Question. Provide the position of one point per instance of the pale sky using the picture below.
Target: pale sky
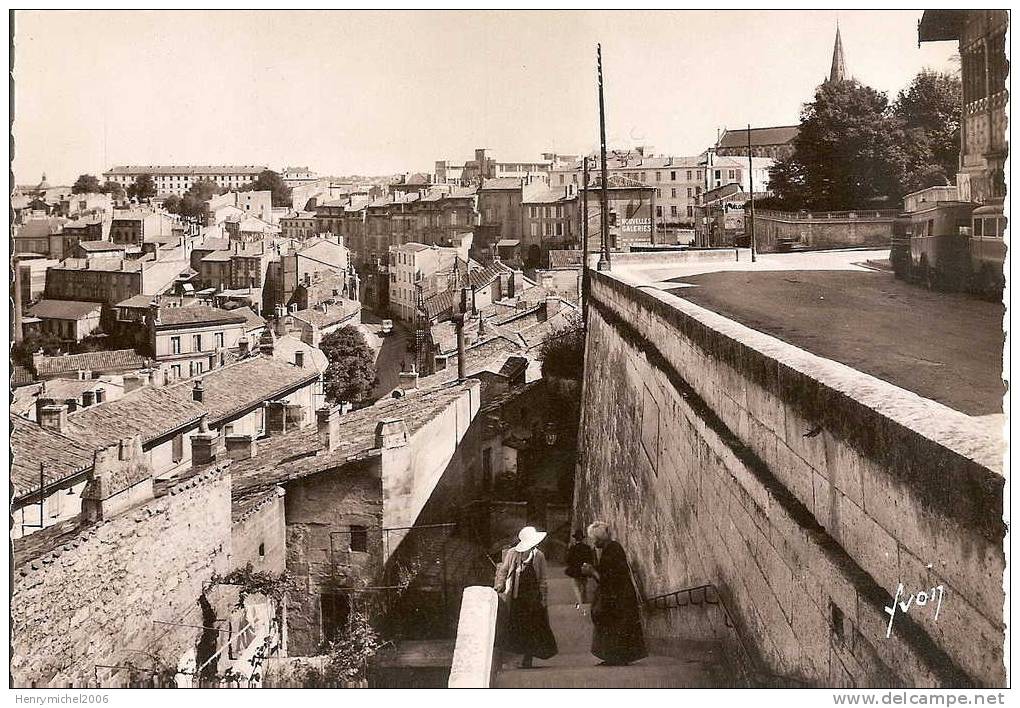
(377, 93)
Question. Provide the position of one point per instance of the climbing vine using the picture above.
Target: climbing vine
(256, 582)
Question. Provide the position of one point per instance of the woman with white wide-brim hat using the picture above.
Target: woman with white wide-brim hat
(521, 583)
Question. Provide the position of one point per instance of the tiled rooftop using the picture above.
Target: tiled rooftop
(63, 309)
(99, 246)
(186, 169)
(33, 445)
(235, 387)
(335, 312)
(294, 455)
(89, 361)
(778, 135)
(196, 315)
(150, 412)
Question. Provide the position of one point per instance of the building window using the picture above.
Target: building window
(658, 176)
(733, 174)
(178, 448)
(658, 211)
(219, 340)
(534, 229)
(658, 192)
(197, 342)
(175, 370)
(689, 192)
(175, 345)
(688, 175)
(718, 174)
(690, 211)
(359, 539)
(672, 210)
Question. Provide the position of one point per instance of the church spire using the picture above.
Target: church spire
(838, 70)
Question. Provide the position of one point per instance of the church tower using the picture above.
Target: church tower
(838, 70)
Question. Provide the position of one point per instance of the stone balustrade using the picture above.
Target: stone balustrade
(474, 652)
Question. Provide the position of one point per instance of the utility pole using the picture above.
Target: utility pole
(750, 184)
(584, 239)
(605, 263)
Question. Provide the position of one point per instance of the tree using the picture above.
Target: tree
(351, 373)
(142, 188)
(848, 153)
(929, 111)
(114, 189)
(86, 184)
(272, 182)
(172, 204)
(562, 353)
(33, 342)
(193, 202)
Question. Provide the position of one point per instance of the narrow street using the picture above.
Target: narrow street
(390, 351)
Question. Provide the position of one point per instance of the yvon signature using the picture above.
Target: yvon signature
(919, 599)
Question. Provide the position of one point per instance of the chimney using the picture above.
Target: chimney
(299, 359)
(198, 392)
(327, 420)
(390, 433)
(204, 444)
(88, 398)
(40, 403)
(53, 416)
(241, 447)
(120, 479)
(100, 395)
(552, 306)
(408, 380)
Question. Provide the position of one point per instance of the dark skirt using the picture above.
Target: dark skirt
(617, 636)
(524, 627)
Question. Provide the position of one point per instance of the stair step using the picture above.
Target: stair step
(691, 665)
(582, 671)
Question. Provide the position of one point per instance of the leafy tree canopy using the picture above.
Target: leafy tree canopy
(563, 352)
(272, 182)
(351, 373)
(114, 189)
(929, 110)
(86, 184)
(142, 188)
(855, 149)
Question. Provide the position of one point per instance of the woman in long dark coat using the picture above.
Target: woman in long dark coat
(618, 638)
(521, 583)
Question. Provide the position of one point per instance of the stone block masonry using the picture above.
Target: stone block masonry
(805, 491)
(94, 601)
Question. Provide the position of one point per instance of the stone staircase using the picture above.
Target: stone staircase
(687, 665)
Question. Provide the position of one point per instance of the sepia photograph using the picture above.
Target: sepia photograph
(509, 349)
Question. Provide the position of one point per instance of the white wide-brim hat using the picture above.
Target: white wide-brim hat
(529, 538)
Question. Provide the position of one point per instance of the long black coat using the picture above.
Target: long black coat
(618, 636)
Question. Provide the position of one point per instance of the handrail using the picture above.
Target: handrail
(662, 602)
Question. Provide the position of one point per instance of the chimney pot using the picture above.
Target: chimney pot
(299, 358)
(198, 392)
(53, 416)
(327, 421)
(88, 398)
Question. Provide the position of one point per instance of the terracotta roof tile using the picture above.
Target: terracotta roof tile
(293, 455)
(34, 445)
(116, 359)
